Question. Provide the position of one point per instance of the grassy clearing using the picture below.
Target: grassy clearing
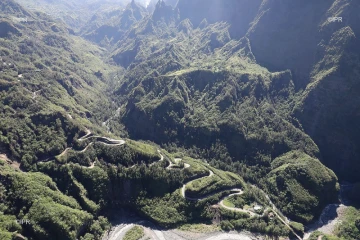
(228, 203)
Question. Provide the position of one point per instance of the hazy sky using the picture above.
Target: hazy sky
(145, 2)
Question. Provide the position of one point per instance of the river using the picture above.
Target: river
(331, 215)
(125, 220)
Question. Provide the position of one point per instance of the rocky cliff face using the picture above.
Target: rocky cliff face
(329, 108)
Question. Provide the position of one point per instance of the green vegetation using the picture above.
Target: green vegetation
(135, 233)
(8, 226)
(97, 228)
(48, 86)
(196, 84)
(54, 220)
(127, 155)
(300, 185)
(172, 209)
(199, 228)
(35, 197)
(168, 210)
(217, 182)
(235, 201)
(297, 227)
(77, 15)
(317, 234)
(249, 198)
(350, 225)
(241, 222)
(197, 169)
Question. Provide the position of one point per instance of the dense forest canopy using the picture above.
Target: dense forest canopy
(201, 115)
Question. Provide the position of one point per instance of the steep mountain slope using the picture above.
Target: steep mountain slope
(50, 85)
(238, 13)
(74, 13)
(59, 171)
(296, 185)
(108, 28)
(46, 74)
(192, 83)
(152, 4)
(197, 88)
(285, 35)
(329, 106)
(199, 78)
(319, 57)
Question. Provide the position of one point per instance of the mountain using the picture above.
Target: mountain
(239, 13)
(108, 28)
(328, 106)
(310, 69)
(50, 83)
(295, 188)
(75, 14)
(220, 89)
(62, 172)
(241, 113)
(152, 4)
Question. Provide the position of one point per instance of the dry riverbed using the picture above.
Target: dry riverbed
(151, 232)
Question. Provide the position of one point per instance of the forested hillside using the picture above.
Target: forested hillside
(199, 79)
(309, 80)
(241, 113)
(106, 28)
(75, 14)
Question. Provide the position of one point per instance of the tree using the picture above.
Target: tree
(357, 223)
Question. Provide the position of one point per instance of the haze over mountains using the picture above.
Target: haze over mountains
(176, 108)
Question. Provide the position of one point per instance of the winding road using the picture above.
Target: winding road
(239, 192)
(221, 203)
(120, 232)
(89, 135)
(183, 189)
(171, 164)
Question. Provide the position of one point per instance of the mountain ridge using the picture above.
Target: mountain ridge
(186, 102)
